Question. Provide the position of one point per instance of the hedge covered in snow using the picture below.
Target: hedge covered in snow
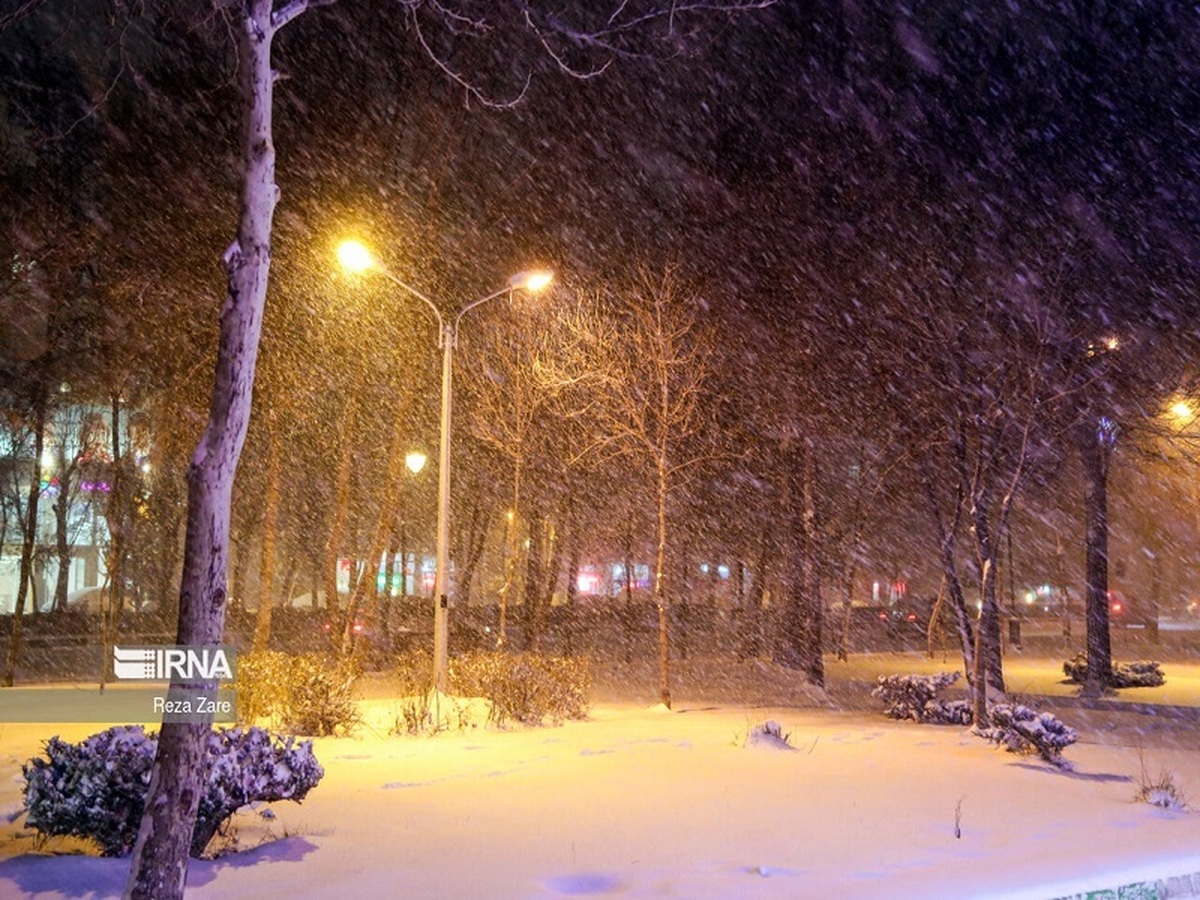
(915, 697)
(1020, 729)
(96, 789)
(1140, 673)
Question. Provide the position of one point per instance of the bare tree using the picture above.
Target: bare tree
(367, 586)
(646, 359)
(972, 414)
(508, 404)
(32, 432)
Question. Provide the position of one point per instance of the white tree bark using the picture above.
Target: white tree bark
(160, 855)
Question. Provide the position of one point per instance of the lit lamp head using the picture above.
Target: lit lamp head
(532, 280)
(415, 461)
(354, 257)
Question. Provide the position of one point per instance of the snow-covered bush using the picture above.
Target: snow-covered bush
(96, 789)
(768, 734)
(250, 766)
(915, 697)
(1162, 791)
(1139, 673)
(1020, 729)
(307, 694)
(524, 687)
(1075, 668)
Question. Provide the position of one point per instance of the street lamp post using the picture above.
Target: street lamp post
(357, 258)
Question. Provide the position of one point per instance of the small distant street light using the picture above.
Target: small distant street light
(414, 460)
(355, 257)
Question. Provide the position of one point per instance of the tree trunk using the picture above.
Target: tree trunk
(660, 594)
(241, 565)
(799, 645)
(341, 513)
(1094, 454)
(270, 529)
(850, 565)
(367, 588)
(814, 606)
(511, 535)
(395, 548)
(473, 538)
(752, 629)
(739, 604)
(628, 613)
(946, 535)
(573, 562)
(62, 507)
(28, 538)
(989, 680)
(681, 607)
(116, 518)
(535, 617)
(160, 855)
(551, 569)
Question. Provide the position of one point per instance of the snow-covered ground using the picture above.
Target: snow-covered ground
(641, 802)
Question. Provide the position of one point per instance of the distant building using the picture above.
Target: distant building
(76, 459)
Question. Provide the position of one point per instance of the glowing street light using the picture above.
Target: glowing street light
(355, 257)
(414, 461)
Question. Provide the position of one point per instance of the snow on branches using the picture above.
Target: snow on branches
(915, 697)
(1020, 729)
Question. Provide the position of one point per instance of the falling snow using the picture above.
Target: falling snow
(873, 327)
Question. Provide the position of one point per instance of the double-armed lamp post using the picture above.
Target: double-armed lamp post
(357, 258)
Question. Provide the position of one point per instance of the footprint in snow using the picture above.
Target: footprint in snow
(583, 883)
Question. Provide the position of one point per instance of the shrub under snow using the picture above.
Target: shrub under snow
(915, 697)
(1020, 729)
(769, 734)
(96, 789)
(1140, 673)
